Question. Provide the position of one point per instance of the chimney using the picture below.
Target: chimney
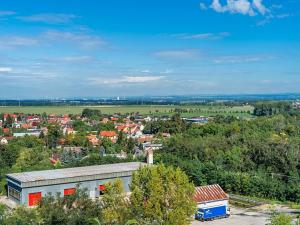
(150, 156)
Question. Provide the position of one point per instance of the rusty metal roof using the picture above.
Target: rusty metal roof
(209, 193)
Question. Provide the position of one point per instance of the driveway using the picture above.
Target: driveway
(250, 216)
(239, 217)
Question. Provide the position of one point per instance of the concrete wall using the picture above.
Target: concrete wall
(91, 186)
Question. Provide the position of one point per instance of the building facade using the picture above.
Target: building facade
(28, 188)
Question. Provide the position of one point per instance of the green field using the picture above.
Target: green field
(193, 110)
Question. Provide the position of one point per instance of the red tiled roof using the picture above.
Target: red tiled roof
(108, 134)
(209, 193)
(5, 130)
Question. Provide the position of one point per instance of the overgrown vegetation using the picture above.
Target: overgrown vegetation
(258, 157)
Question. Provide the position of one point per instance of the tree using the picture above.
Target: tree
(32, 159)
(75, 209)
(95, 113)
(53, 135)
(116, 207)
(162, 194)
(23, 216)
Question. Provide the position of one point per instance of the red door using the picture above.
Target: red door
(101, 187)
(69, 191)
(34, 198)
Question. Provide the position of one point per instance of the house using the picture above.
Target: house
(5, 130)
(13, 116)
(16, 125)
(105, 120)
(112, 135)
(93, 139)
(28, 188)
(68, 131)
(198, 120)
(212, 202)
(25, 126)
(5, 140)
(145, 138)
(36, 133)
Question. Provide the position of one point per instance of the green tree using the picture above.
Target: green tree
(75, 209)
(116, 207)
(162, 194)
(23, 216)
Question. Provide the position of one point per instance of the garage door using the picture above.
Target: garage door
(69, 191)
(34, 198)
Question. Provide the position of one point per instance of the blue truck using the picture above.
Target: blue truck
(212, 213)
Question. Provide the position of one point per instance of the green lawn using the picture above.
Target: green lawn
(144, 110)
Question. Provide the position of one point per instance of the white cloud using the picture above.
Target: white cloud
(76, 58)
(205, 36)
(244, 7)
(5, 69)
(241, 59)
(52, 18)
(7, 13)
(176, 54)
(167, 71)
(83, 40)
(259, 6)
(145, 71)
(17, 41)
(203, 6)
(125, 79)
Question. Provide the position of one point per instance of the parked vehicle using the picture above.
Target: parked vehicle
(212, 213)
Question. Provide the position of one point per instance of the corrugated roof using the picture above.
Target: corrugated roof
(75, 172)
(209, 193)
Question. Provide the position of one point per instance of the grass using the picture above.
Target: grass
(242, 111)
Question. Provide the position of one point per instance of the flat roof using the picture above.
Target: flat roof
(86, 171)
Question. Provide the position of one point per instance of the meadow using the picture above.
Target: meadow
(159, 110)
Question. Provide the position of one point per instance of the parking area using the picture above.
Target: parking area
(239, 217)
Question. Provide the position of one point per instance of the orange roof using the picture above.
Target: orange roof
(25, 126)
(108, 134)
(121, 127)
(145, 139)
(5, 130)
(209, 193)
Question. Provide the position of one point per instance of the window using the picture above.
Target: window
(14, 193)
(34, 198)
(101, 189)
(69, 191)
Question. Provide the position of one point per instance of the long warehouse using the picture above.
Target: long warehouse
(28, 188)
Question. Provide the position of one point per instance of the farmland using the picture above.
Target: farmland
(159, 110)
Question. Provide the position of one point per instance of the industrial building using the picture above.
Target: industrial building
(212, 202)
(28, 188)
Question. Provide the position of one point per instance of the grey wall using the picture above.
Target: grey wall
(91, 186)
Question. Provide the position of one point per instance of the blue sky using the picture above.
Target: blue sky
(70, 48)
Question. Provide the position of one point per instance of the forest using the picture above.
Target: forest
(257, 157)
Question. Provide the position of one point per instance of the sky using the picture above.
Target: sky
(94, 48)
